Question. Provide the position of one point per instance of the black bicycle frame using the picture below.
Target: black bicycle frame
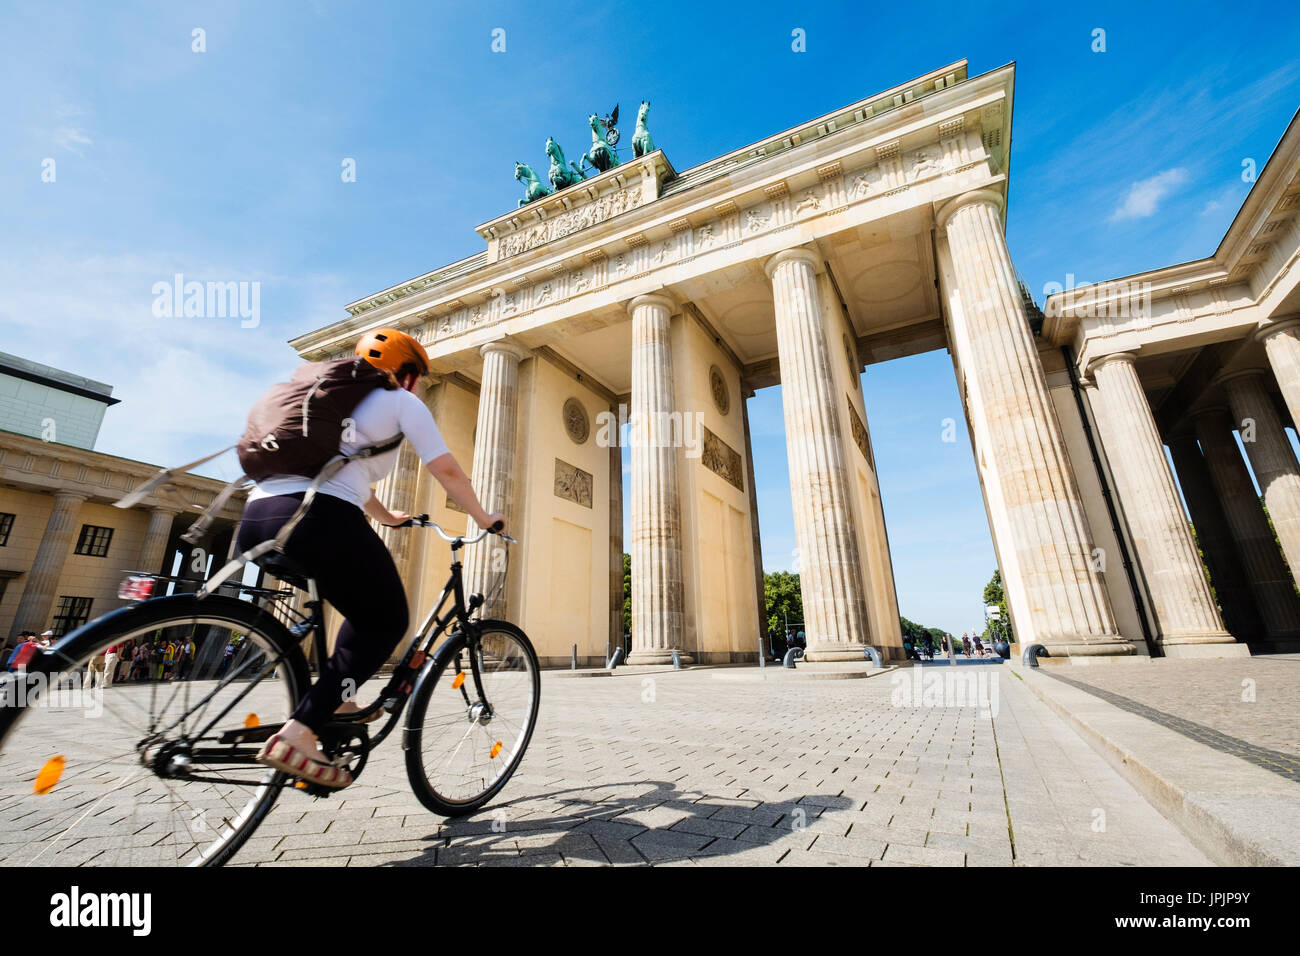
(396, 692)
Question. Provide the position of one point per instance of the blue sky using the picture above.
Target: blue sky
(225, 165)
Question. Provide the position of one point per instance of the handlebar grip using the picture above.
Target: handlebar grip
(411, 522)
(496, 527)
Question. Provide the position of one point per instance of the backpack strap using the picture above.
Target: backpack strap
(200, 526)
(332, 468)
(165, 475)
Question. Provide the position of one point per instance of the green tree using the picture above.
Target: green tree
(994, 594)
(782, 596)
(627, 593)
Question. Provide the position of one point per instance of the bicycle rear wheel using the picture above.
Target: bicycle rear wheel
(465, 737)
(144, 772)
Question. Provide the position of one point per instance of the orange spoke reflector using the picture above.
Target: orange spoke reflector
(460, 679)
(301, 784)
(251, 721)
(496, 749)
(50, 774)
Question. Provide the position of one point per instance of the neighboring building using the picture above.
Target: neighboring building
(51, 404)
(1187, 356)
(63, 547)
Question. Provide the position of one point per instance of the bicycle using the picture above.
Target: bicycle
(181, 786)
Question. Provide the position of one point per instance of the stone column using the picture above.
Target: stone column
(658, 594)
(1215, 539)
(1184, 608)
(36, 605)
(1281, 340)
(1271, 458)
(1045, 520)
(154, 549)
(494, 467)
(831, 576)
(397, 491)
(615, 537)
(1274, 592)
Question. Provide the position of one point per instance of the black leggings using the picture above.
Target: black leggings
(354, 572)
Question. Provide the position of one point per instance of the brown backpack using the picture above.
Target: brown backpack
(296, 427)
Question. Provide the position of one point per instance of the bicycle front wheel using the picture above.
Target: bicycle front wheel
(143, 769)
(471, 718)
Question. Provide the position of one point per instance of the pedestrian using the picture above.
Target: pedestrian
(226, 655)
(47, 638)
(979, 646)
(27, 646)
(95, 669)
(907, 649)
(965, 644)
(140, 663)
(110, 664)
(187, 657)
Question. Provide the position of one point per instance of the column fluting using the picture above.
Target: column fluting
(1275, 596)
(1184, 608)
(494, 468)
(831, 575)
(658, 593)
(1271, 458)
(1046, 523)
(36, 605)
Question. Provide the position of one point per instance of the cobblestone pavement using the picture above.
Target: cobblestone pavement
(718, 767)
(1246, 706)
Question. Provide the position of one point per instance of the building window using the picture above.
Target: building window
(72, 612)
(6, 525)
(94, 540)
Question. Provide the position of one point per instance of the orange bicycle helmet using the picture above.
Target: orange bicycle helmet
(390, 349)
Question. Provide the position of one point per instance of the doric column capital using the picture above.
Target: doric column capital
(797, 254)
(660, 299)
(987, 196)
(1100, 360)
(1254, 372)
(1208, 411)
(505, 347)
(1270, 327)
(66, 499)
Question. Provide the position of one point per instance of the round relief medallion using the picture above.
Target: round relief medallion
(718, 385)
(576, 423)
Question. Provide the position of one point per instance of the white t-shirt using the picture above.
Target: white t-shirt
(379, 416)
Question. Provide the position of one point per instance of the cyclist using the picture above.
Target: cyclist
(335, 544)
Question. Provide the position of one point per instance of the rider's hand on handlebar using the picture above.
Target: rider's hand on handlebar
(496, 523)
(399, 518)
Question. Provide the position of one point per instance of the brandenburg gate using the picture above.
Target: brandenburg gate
(658, 300)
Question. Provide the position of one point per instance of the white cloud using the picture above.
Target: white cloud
(72, 139)
(1145, 196)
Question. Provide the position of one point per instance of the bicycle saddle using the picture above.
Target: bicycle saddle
(288, 570)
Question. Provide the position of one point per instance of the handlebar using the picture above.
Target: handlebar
(424, 521)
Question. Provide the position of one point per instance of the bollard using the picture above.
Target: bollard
(874, 655)
(573, 663)
(792, 655)
(1032, 653)
(615, 659)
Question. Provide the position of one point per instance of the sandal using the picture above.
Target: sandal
(284, 756)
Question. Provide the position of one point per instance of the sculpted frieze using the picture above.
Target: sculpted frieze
(567, 223)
